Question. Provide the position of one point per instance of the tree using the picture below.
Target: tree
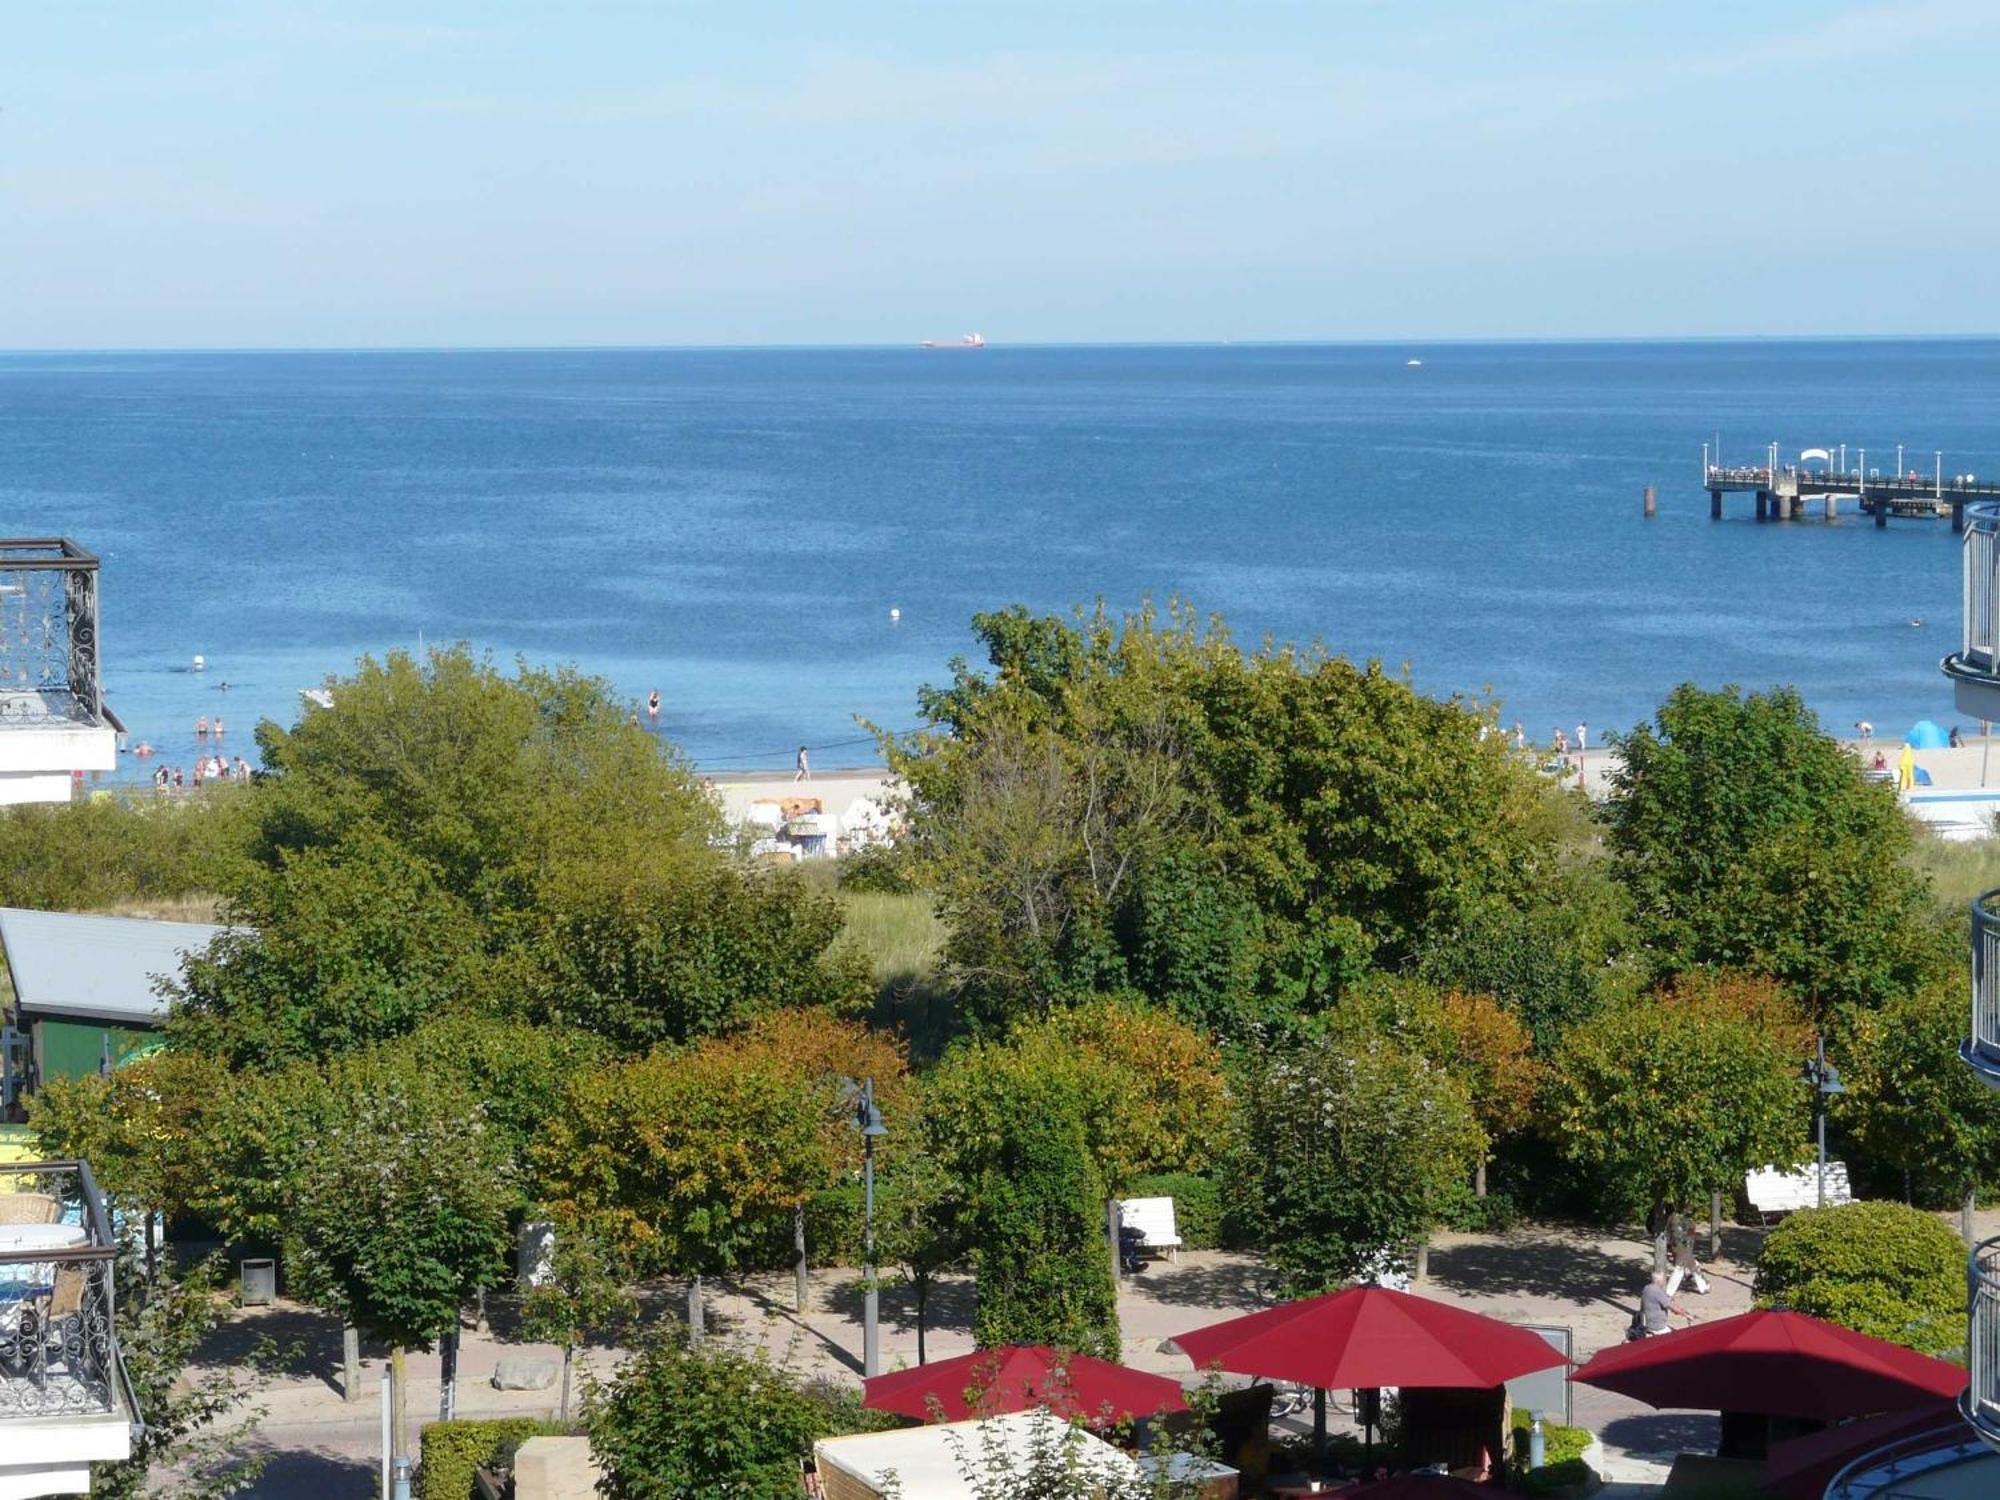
(1351, 1147)
(1749, 839)
(1137, 803)
(1668, 1099)
(921, 1225)
(1046, 1458)
(679, 1421)
(1880, 1268)
(398, 1212)
(582, 1292)
(1910, 1104)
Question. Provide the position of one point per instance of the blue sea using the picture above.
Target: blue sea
(734, 527)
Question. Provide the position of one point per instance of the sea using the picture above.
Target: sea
(787, 543)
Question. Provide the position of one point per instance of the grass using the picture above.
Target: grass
(1959, 871)
(190, 908)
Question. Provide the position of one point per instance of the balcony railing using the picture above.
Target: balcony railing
(58, 1297)
(1981, 1049)
(1981, 1401)
(1978, 656)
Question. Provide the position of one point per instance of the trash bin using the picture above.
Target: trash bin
(259, 1283)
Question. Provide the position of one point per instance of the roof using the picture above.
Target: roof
(96, 968)
(930, 1461)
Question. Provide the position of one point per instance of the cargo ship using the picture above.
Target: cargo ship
(970, 341)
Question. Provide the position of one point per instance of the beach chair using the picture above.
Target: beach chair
(1154, 1219)
(1773, 1192)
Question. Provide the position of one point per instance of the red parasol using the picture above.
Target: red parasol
(1777, 1364)
(1801, 1468)
(1021, 1377)
(1370, 1336)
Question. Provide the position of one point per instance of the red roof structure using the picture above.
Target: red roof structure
(1369, 1336)
(1021, 1377)
(1801, 1468)
(1778, 1364)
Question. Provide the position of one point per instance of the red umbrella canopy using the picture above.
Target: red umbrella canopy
(1021, 1377)
(1370, 1336)
(1779, 1364)
(1801, 1468)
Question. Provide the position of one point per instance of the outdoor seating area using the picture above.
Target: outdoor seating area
(57, 1356)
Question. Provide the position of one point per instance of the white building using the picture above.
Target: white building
(54, 725)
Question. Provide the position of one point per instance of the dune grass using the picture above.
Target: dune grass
(1959, 871)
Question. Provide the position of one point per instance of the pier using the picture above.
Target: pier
(1784, 490)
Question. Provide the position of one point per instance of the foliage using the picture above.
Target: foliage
(1140, 804)
(1880, 1268)
(398, 1211)
(1750, 839)
(582, 1293)
(1050, 1460)
(135, 1128)
(1197, 1205)
(1483, 1046)
(1560, 1444)
(195, 1424)
(1042, 1265)
(691, 1158)
(1352, 1147)
(84, 856)
(451, 1451)
(679, 1422)
(1910, 1104)
(1667, 1099)
(921, 1225)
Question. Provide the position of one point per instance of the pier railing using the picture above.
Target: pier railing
(1981, 1401)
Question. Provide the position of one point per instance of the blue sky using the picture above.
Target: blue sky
(297, 173)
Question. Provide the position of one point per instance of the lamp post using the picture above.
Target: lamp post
(868, 1119)
(1825, 1079)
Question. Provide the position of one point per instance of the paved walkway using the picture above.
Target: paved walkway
(1585, 1279)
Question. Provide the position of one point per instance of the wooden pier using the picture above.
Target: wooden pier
(1784, 490)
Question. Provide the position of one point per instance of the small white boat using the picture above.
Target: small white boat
(1413, 363)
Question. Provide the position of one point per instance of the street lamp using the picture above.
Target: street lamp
(868, 1120)
(1825, 1079)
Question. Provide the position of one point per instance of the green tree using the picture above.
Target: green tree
(1750, 839)
(1910, 1104)
(1351, 1147)
(1138, 803)
(1668, 1099)
(1880, 1268)
(921, 1226)
(680, 1421)
(581, 1293)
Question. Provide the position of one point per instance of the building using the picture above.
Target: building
(54, 725)
(86, 992)
(65, 1399)
(1962, 1460)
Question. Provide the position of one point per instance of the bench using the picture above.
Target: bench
(1772, 1190)
(1154, 1219)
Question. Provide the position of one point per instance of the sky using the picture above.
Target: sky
(296, 173)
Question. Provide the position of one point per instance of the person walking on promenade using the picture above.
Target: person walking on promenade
(802, 771)
(1680, 1249)
(1657, 1308)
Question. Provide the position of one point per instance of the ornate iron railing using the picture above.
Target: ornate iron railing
(49, 670)
(58, 1295)
(1981, 1049)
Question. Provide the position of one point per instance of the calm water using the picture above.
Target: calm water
(734, 527)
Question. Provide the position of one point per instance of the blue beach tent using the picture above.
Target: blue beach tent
(1925, 735)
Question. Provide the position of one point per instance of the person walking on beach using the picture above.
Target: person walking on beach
(1561, 741)
(1520, 736)
(1957, 740)
(802, 772)
(1866, 730)
(1582, 737)
(1906, 769)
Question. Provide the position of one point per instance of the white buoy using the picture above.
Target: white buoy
(894, 613)
(200, 663)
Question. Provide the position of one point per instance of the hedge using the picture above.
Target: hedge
(1197, 1205)
(1563, 1448)
(1879, 1268)
(450, 1451)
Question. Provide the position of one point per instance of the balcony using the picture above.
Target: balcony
(1981, 1049)
(1981, 1401)
(64, 1399)
(1974, 668)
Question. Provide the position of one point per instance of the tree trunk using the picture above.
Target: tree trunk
(479, 1324)
(1422, 1269)
(399, 1402)
(920, 1287)
(1660, 1251)
(1965, 1208)
(569, 1359)
(799, 1288)
(1714, 1225)
(350, 1362)
(695, 1319)
(448, 1372)
(1479, 1180)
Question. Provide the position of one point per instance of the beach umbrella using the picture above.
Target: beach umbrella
(1370, 1336)
(1022, 1377)
(1926, 735)
(1801, 1468)
(1776, 1364)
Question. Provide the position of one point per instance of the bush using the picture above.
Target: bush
(450, 1451)
(1468, 1213)
(1197, 1205)
(1562, 1468)
(1879, 1268)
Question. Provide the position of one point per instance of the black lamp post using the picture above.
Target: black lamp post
(868, 1119)
(1825, 1079)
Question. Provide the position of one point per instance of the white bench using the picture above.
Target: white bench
(1154, 1219)
(1772, 1190)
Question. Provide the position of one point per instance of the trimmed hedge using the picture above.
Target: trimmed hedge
(1879, 1268)
(450, 1451)
(1197, 1205)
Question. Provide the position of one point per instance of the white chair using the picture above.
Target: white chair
(1772, 1191)
(1154, 1219)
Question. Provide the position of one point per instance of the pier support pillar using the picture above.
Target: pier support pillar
(1650, 501)
(1763, 505)
(1715, 505)
(1957, 517)
(1881, 514)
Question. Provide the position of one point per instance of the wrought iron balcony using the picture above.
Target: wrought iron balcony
(1975, 667)
(1981, 1401)
(1981, 1048)
(58, 1300)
